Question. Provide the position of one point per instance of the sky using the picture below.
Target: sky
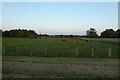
(60, 17)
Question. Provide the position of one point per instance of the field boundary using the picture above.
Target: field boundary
(45, 51)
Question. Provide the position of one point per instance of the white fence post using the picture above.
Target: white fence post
(109, 52)
(92, 51)
(76, 52)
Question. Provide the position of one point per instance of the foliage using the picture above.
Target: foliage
(118, 33)
(108, 33)
(91, 33)
(20, 33)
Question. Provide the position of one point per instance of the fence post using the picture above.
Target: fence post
(45, 51)
(109, 52)
(3, 50)
(17, 50)
(76, 52)
(30, 51)
(92, 51)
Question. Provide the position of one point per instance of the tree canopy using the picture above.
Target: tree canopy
(20, 33)
(91, 33)
(118, 33)
(108, 33)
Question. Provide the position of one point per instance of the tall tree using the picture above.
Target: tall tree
(6, 34)
(91, 33)
(108, 33)
(118, 33)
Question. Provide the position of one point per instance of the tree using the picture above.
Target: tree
(32, 34)
(118, 33)
(108, 33)
(91, 33)
(20, 33)
(71, 36)
(6, 34)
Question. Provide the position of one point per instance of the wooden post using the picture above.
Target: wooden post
(3, 50)
(17, 50)
(76, 52)
(45, 51)
(109, 52)
(92, 52)
(30, 51)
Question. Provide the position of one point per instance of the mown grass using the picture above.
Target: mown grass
(65, 67)
(51, 74)
(57, 48)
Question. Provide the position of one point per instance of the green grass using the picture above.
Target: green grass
(55, 67)
(57, 48)
(60, 60)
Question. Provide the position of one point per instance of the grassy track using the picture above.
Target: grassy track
(41, 67)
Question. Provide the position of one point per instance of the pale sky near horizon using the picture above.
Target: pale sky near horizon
(60, 17)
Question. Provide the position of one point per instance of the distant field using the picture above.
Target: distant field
(64, 67)
(115, 40)
(55, 47)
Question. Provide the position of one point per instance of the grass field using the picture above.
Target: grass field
(60, 60)
(57, 48)
(44, 67)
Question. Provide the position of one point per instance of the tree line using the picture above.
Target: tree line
(91, 33)
(20, 33)
(108, 33)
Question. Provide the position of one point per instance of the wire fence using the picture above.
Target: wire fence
(60, 52)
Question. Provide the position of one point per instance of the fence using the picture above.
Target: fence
(60, 52)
